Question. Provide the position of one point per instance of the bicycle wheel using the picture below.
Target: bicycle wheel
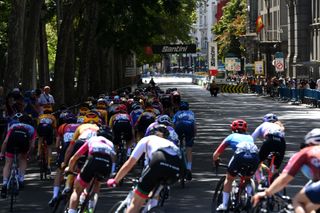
(61, 205)
(156, 209)
(217, 195)
(118, 208)
(244, 196)
(13, 189)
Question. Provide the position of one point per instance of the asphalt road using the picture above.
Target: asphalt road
(213, 115)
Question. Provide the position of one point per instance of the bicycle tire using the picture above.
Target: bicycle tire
(157, 209)
(114, 208)
(61, 205)
(217, 195)
(244, 199)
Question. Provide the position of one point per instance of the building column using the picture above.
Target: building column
(302, 17)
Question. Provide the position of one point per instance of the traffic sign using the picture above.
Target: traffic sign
(279, 62)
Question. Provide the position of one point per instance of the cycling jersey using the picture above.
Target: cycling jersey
(119, 117)
(266, 129)
(184, 116)
(66, 132)
(152, 143)
(173, 136)
(308, 161)
(80, 119)
(47, 119)
(97, 144)
(84, 132)
(135, 114)
(235, 141)
(30, 129)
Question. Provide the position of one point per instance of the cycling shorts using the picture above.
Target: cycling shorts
(98, 165)
(244, 163)
(312, 191)
(162, 168)
(18, 142)
(144, 123)
(46, 132)
(273, 144)
(186, 129)
(122, 127)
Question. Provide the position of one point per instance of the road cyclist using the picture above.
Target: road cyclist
(307, 160)
(272, 132)
(185, 126)
(165, 164)
(98, 165)
(245, 160)
(19, 140)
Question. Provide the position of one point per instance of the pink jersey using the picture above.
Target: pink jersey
(308, 161)
(97, 144)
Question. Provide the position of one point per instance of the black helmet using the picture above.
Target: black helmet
(106, 132)
(160, 128)
(184, 105)
(23, 118)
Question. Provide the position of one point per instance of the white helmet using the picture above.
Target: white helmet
(313, 137)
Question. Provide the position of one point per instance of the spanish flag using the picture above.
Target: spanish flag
(259, 24)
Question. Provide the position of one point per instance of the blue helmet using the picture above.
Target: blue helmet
(270, 117)
(165, 120)
(184, 105)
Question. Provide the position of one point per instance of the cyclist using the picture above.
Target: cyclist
(120, 123)
(84, 109)
(245, 154)
(47, 124)
(20, 138)
(307, 160)
(144, 120)
(165, 163)
(64, 136)
(184, 124)
(164, 120)
(100, 154)
(102, 109)
(272, 131)
(83, 132)
(137, 110)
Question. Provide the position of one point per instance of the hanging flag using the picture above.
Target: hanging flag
(259, 24)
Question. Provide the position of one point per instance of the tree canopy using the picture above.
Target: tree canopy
(230, 28)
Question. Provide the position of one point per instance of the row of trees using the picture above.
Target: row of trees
(82, 45)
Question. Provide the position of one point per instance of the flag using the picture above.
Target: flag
(259, 24)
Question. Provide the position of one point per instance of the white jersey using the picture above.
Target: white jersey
(267, 128)
(151, 144)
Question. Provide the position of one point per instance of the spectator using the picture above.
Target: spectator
(46, 98)
(318, 84)
(312, 84)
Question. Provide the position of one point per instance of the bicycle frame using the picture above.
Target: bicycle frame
(269, 169)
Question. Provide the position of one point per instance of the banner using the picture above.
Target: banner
(258, 68)
(179, 48)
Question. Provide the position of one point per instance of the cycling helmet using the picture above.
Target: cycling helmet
(106, 132)
(84, 110)
(101, 103)
(47, 108)
(184, 105)
(313, 137)
(23, 118)
(91, 117)
(160, 128)
(239, 126)
(70, 118)
(136, 106)
(165, 120)
(121, 108)
(270, 117)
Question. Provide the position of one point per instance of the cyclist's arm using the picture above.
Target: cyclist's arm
(219, 150)
(127, 166)
(73, 160)
(278, 184)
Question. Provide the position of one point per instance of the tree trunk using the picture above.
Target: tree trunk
(70, 71)
(31, 30)
(15, 44)
(44, 78)
(62, 47)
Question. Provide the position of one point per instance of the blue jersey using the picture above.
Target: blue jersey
(184, 116)
(234, 139)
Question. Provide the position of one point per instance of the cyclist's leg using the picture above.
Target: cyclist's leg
(74, 199)
(307, 199)
(22, 167)
(136, 203)
(227, 186)
(49, 141)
